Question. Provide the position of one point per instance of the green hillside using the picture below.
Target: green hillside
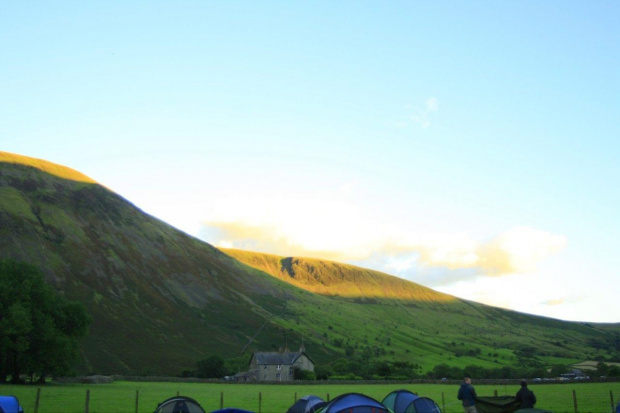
(426, 326)
(161, 299)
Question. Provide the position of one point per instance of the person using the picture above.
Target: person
(526, 396)
(468, 395)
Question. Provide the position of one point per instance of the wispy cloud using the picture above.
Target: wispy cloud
(519, 249)
(446, 258)
(562, 301)
(554, 301)
(327, 226)
(336, 229)
(422, 115)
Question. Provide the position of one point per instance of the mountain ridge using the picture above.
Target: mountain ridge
(333, 278)
(162, 299)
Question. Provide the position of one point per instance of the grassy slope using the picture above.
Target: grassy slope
(162, 300)
(420, 324)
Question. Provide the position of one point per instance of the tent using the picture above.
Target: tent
(179, 404)
(404, 401)
(503, 404)
(10, 404)
(497, 404)
(354, 403)
(307, 404)
(231, 410)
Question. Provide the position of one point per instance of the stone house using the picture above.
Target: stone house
(278, 366)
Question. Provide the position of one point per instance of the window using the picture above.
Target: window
(279, 367)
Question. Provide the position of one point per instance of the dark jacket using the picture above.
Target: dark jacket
(526, 397)
(467, 393)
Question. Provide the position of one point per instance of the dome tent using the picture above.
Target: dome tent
(404, 401)
(179, 404)
(307, 404)
(354, 403)
(10, 404)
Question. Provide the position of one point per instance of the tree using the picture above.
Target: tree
(474, 371)
(300, 374)
(382, 368)
(39, 329)
(557, 369)
(602, 369)
(443, 370)
(613, 371)
(210, 368)
(323, 372)
(349, 350)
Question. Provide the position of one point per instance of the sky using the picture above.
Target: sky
(468, 146)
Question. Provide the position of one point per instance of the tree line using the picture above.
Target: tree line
(39, 329)
(350, 369)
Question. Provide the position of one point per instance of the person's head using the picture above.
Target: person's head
(467, 380)
(523, 383)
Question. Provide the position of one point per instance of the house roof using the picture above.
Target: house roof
(273, 357)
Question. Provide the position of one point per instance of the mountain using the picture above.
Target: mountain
(162, 300)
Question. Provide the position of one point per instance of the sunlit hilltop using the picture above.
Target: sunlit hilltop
(46, 166)
(337, 279)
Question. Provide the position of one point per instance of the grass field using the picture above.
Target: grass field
(120, 397)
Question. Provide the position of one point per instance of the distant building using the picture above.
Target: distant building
(574, 374)
(278, 366)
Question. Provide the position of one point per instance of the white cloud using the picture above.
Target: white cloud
(332, 227)
(432, 105)
(561, 301)
(421, 116)
(329, 227)
(517, 250)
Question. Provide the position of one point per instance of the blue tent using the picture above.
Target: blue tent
(307, 404)
(179, 404)
(354, 403)
(404, 401)
(10, 404)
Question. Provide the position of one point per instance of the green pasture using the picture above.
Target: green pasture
(120, 397)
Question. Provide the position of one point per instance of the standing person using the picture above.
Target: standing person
(468, 395)
(526, 396)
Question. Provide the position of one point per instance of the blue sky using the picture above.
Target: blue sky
(470, 146)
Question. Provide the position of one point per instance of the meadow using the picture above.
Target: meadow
(120, 397)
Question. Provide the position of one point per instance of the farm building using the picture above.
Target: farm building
(278, 366)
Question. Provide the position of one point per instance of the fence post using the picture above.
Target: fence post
(137, 395)
(260, 402)
(443, 402)
(221, 400)
(575, 401)
(327, 397)
(495, 393)
(86, 406)
(36, 402)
